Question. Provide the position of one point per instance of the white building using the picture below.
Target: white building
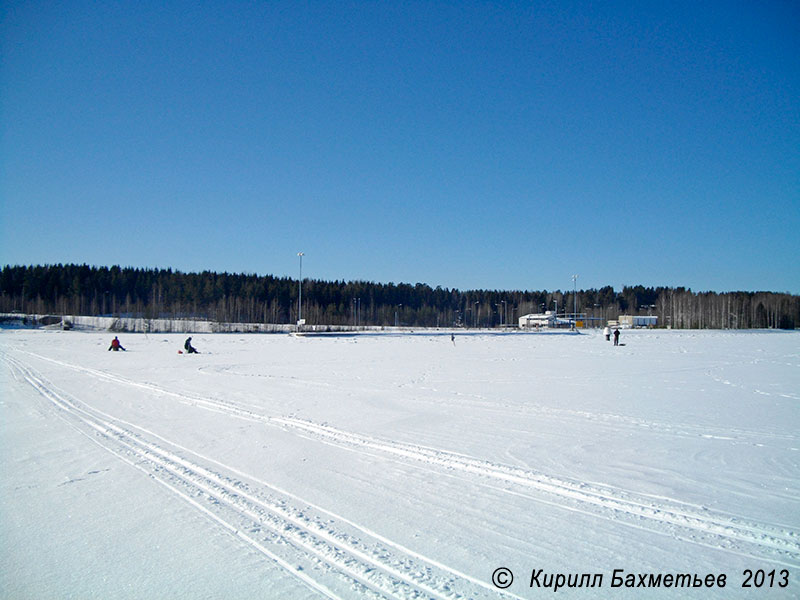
(535, 321)
(638, 321)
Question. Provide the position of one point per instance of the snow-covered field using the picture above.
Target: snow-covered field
(391, 466)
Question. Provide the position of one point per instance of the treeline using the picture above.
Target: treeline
(247, 298)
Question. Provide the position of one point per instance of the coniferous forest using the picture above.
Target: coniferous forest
(248, 298)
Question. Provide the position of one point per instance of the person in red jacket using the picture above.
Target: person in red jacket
(115, 345)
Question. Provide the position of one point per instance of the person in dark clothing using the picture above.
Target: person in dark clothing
(616, 337)
(115, 345)
(187, 345)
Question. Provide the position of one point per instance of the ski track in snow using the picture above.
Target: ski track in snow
(333, 556)
(706, 430)
(657, 514)
(670, 428)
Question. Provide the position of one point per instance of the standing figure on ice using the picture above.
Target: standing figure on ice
(115, 345)
(616, 337)
(187, 345)
(607, 333)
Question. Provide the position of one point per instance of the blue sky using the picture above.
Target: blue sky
(494, 145)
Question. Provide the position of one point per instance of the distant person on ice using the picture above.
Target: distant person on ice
(187, 345)
(616, 337)
(607, 333)
(115, 345)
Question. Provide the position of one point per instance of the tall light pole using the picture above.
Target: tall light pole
(300, 294)
(575, 300)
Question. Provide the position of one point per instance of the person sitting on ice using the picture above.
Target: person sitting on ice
(187, 345)
(115, 345)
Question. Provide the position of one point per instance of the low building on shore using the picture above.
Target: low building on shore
(543, 320)
(633, 321)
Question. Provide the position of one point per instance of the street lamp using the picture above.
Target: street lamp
(300, 294)
(575, 300)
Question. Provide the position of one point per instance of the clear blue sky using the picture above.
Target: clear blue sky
(496, 145)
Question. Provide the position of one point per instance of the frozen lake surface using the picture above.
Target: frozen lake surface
(378, 466)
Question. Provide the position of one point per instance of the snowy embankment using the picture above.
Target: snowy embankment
(397, 466)
(143, 325)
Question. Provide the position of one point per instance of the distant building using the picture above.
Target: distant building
(536, 320)
(540, 320)
(637, 321)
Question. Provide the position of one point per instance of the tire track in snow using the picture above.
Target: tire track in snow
(661, 515)
(373, 568)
